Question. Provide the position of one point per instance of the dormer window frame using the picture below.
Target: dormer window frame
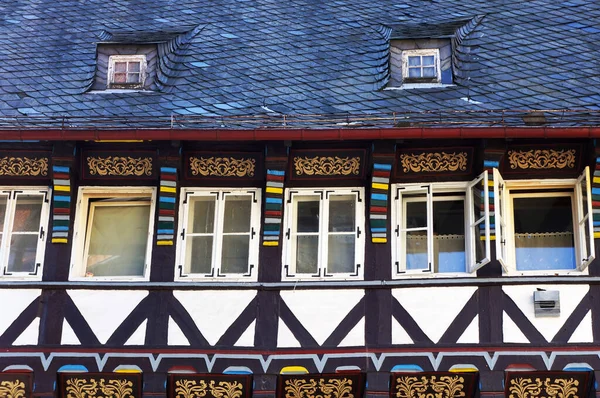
(406, 67)
(128, 59)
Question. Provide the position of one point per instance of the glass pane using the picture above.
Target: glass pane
(120, 77)
(416, 250)
(237, 214)
(133, 78)
(120, 66)
(118, 240)
(202, 215)
(416, 214)
(585, 220)
(342, 213)
(414, 72)
(3, 200)
(134, 67)
(414, 61)
(308, 216)
(235, 254)
(307, 250)
(198, 258)
(341, 254)
(544, 233)
(27, 213)
(428, 72)
(428, 60)
(22, 253)
(449, 235)
(478, 230)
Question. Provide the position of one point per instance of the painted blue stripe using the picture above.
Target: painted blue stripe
(382, 166)
(165, 231)
(58, 198)
(57, 228)
(596, 191)
(168, 170)
(166, 199)
(379, 196)
(598, 159)
(378, 229)
(61, 169)
(276, 172)
(491, 163)
(491, 193)
(271, 232)
(274, 200)
(596, 223)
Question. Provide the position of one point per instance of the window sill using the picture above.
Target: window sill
(120, 91)
(93, 279)
(434, 275)
(576, 273)
(411, 86)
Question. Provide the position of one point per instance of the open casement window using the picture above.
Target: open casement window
(544, 225)
(113, 233)
(324, 236)
(23, 220)
(441, 228)
(218, 238)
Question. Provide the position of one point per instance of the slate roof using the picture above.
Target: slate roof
(296, 57)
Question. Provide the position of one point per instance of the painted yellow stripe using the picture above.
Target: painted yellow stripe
(379, 186)
(168, 189)
(463, 370)
(59, 240)
(274, 190)
(294, 370)
(596, 180)
(270, 243)
(596, 235)
(164, 243)
(128, 371)
(379, 240)
(490, 183)
(118, 140)
(63, 188)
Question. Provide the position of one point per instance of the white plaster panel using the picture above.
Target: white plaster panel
(321, 311)
(399, 335)
(285, 337)
(68, 336)
(356, 336)
(139, 336)
(247, 338)
(19, 299)
(29, 335)
(175, 335)
(583, 332)
(105, 310)
(434, 308)
(511, 332)
(214, 311)
(471, 333)
(570, 297)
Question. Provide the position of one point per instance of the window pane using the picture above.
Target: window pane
(120, 77)
(414, 72)
(308, 216)
(237, 214)
(27, 213)
(134, 67)
(202, 215)
(235, 254)
(120, 66)
(478, 230)
(307, 250)
(416, 250)
(118, 240)
(341, 254)
(3, 200)
(22, 253)
(416, 214)
(544, 233)
(449, 235)
(414, 61)
(198, 259)
(133, 78)
(428, 72)
(428, 60)
(342, 213)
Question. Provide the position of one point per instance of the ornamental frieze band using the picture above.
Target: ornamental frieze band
(12, 389)
(11, 166)
(540, 159)
(428, 162)
(189, 388)
(222, 166)
(547, 387)
(327, 166)
(434, 384)
(119, 166)
(99, 385)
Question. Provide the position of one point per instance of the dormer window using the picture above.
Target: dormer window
(126, 71)
(421, 66)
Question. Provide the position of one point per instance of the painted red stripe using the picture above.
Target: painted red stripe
(273, 213)
(376, 209)
(272, 177)
(61, 176)
(165, 212)
(384, 174)
(168, 177)
(61, 211)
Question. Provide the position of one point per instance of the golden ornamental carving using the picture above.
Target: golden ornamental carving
(430, 386)
(11, 166)
(222, 166)
(540, 159)
(89, 388)
(327, 165)
(331, 388)
(119, 166)
(521, 387)
(429, 162)
(12, 389)
(196, 389)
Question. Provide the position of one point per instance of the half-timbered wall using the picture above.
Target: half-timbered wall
(374, 322)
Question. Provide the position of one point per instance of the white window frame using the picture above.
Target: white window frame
(289, 243)
(110, 83)
(12, 193)
(81, 231)
(472, 227)
(435, 52)
(219, 194)
(582, 219)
